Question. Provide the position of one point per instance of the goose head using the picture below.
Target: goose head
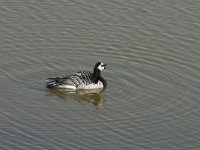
(100, 66)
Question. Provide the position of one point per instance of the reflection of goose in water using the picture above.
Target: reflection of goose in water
(83, 80)
(91, 96)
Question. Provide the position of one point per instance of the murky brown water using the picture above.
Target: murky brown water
(153, 75)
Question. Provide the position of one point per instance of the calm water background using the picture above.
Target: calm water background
(152, 50)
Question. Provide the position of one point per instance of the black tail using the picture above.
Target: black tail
(54, 82)
(50, 86)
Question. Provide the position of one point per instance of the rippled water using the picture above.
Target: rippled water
(153, 75)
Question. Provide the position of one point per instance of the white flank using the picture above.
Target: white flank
(99, 85)
(70, 87)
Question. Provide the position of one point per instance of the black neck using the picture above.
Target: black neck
(103, 81)
(97, 76)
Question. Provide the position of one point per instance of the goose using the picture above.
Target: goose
(80, 80)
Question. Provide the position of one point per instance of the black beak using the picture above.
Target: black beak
(104, 66)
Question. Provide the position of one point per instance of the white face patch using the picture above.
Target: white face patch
(101, 67)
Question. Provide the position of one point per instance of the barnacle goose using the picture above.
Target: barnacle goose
(81, 80)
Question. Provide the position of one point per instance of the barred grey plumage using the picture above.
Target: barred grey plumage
(80, 80)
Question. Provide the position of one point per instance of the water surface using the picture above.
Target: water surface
(153, 57)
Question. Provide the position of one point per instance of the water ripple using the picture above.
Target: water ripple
(153, 74)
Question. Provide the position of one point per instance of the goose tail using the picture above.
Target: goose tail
(54, 82)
